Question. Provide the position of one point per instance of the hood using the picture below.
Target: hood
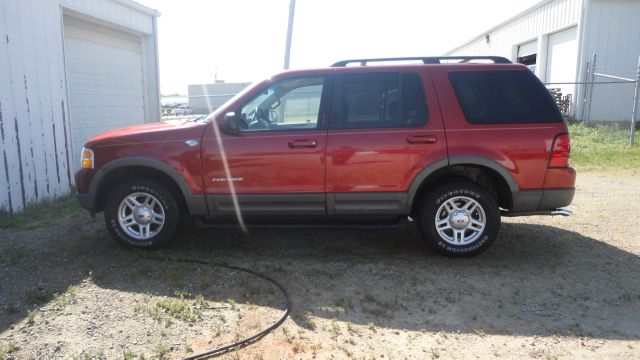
(171, 130)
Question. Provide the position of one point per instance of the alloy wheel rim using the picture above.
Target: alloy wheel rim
(460, 220)
(141, 215)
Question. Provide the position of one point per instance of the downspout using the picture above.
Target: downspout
(157, 67)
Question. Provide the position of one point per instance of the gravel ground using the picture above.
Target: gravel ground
(548, 288)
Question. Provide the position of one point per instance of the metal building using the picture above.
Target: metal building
(69, 69)
(557, 40)
(205, 98)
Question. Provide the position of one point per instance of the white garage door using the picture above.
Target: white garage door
(104, 80)
(562, 55)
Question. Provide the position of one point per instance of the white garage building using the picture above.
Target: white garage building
(556, 39)
(69, 69)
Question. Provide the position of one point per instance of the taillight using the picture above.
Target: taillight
(560, 152)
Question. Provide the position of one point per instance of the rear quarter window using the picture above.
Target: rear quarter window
(503, 97)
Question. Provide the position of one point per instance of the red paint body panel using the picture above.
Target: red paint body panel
(161, 141)
(524, 149)
(383, 160)
(264, 161)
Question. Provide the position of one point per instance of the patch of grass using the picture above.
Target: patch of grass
(42, 214)
(39, 297)
(371, 326)
(128, 355)
(216, 329)
(605, 146)
(62, 299)
(379, 308)
(480, 332)
(233, 304)
(12, 309)
(7, 349)
(161, 350)
(179, 309)
(335, 329)
(309, 322)
(351, 329)
(90, 355)
(185, 307)
(287, 335)
(15, 254)
(31, 317)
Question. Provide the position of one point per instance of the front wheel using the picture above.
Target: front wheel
(142, 214)
(459, 219)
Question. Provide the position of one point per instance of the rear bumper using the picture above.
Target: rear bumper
(541, 200)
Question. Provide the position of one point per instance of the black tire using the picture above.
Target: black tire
(479, 241)
(165, 198)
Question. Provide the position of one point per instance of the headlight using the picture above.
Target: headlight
(86, 158)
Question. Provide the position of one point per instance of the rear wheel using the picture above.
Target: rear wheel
(459, 219)
(142, 214)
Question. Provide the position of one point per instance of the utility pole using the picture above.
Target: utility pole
(287, 50)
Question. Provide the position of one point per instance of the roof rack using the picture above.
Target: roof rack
(425, 60)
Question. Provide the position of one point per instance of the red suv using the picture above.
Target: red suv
(448, 143)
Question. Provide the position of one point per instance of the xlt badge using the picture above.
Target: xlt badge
(233, 179)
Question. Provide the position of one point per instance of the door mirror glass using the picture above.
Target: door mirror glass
(230, 124)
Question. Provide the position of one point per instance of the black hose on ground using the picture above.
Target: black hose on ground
(217, 351)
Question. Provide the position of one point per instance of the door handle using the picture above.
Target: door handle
(422, 139)
(297, 144)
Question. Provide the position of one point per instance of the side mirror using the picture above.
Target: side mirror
(230, 124)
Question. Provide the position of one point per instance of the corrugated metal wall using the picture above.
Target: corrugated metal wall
(36, 162)
(612, 31)
(34, 126)
(547, 18)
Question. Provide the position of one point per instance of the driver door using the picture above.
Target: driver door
(276, 161)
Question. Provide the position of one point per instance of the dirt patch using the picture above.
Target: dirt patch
(549, 287)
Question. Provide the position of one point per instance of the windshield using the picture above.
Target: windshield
(236, 96)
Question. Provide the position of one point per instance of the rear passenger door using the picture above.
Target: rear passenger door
(385, 127)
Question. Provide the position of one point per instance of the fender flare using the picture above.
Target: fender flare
(460, 160)
(195, 202)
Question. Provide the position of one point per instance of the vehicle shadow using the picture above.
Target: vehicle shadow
(535, 280)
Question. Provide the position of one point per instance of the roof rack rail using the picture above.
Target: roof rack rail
(425, 60)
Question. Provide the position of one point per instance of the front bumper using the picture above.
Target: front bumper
(86, 201)
(86, 198)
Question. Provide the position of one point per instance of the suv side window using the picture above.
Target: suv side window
(285, 105)
(503, 97)
(379, 100)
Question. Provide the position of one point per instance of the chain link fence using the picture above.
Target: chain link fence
(603, 106)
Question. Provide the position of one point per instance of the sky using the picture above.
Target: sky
(244, 40)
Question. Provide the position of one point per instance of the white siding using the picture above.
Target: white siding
(613, 33)
(33, 110)
(35, 134)
(533, 24)
(114, 12)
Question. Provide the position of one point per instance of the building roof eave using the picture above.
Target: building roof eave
(503, 23)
